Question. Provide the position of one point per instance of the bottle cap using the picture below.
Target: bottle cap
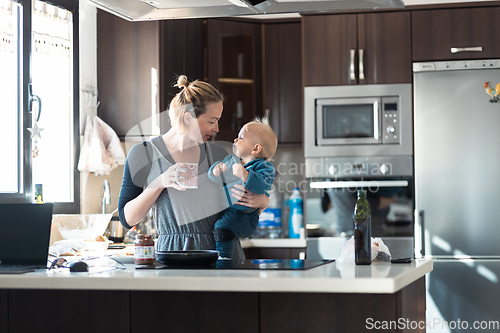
(362, 193)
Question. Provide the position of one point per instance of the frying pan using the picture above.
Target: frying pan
(187, 257)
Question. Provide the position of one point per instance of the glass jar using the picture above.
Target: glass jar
(144, 250)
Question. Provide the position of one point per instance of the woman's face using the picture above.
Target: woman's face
(206, 124)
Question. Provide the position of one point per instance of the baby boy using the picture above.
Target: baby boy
(248, 165)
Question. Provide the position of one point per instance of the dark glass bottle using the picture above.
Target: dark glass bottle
(362, 230)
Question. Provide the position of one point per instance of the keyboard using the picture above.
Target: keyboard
(17, 269)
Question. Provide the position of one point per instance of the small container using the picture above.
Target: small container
(144, 250)
(39, 193)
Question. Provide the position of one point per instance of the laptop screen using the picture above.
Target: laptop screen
(25, 233)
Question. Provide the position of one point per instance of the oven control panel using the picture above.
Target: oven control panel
(390, 120)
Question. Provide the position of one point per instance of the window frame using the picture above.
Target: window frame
(25, 117)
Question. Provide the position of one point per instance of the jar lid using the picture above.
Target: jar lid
(143, 236)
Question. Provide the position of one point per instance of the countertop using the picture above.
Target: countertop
(379, 277)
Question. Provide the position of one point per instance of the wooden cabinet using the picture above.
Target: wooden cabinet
(436, 32)
(235, 67)
(171, 311)
(137, 64)
(344, 49)
(4, 312)
(345, 312)
(127, 71)
(283, 80)
(182, 52)
(32, 310)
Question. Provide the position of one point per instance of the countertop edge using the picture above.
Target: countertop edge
(244, 281)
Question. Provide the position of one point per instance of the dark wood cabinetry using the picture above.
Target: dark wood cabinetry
(166, 311)
(325, 313)
(192, 311)
(371, 48)
(137, 64)
(437, 32)
(4, 306)
(283, 80)
(75, 311)
(127, 57)
(182, 52)
(235, 67)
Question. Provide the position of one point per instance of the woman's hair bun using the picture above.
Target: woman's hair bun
(182, 82)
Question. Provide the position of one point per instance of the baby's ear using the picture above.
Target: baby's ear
(256, 149)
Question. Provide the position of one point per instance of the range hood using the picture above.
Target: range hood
(142, 10)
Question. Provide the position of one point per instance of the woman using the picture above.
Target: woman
(151, 169)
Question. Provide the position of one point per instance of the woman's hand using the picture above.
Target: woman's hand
(167, 179)
(250, 199)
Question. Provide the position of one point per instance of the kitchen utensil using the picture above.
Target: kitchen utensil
(187, 257)
(116, 230)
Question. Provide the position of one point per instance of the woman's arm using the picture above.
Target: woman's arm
(136, 209)
(134, 202)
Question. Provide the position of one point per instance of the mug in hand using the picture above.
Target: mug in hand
(191, 181)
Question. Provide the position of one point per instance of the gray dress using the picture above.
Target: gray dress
(179, 214)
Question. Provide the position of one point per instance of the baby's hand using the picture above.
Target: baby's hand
(219, 169)
(240, 171)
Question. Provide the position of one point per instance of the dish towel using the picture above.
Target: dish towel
(101, 150)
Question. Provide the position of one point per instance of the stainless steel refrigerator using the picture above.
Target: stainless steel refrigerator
(457, 192)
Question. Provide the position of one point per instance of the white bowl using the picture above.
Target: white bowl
(87, 226)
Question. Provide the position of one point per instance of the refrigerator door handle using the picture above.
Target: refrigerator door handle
(419, 234)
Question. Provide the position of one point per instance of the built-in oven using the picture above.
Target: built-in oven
(332, 193)
(364, 120)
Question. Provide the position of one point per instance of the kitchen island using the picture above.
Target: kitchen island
(347, 298)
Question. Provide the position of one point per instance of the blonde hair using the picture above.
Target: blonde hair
(193, 98)
(265, 136)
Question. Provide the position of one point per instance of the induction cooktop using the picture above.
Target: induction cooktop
(260, 264)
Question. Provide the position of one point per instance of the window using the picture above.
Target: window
(39, 52)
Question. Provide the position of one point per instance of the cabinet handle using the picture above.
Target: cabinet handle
(267, 113)
(361, 67)
(466, 49)
(419, 234)
(351, 68)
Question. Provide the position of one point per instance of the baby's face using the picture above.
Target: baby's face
(244, 143)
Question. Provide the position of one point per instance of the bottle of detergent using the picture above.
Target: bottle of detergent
(296, 218)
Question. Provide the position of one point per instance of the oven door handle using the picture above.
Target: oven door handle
(362, 183)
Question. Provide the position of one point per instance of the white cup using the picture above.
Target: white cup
(191, 181)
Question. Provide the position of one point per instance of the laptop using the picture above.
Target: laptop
(24, 237)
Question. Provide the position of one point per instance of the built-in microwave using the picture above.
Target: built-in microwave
(362, 120)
